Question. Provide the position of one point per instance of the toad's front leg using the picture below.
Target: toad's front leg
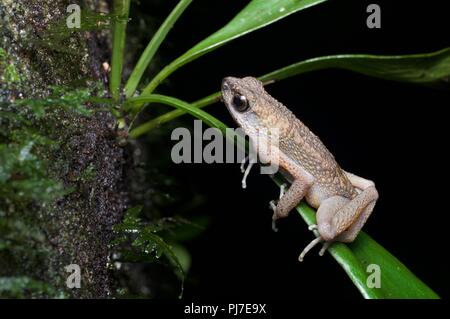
(302, 181)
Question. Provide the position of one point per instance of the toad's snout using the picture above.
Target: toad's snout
(228, 83)
(225, 85)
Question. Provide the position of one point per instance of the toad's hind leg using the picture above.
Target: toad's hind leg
(362, 185)
(350, 234)
(341, 219)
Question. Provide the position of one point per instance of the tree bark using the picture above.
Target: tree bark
(78, 227)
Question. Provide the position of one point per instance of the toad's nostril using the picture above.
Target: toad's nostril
(225, 85)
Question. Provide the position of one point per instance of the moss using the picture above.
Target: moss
(8, 72)
(19, 287)
(76, 227)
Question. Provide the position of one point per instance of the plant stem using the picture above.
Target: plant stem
(194, 111)
(153, 46)
(121, 10)
(144, 128)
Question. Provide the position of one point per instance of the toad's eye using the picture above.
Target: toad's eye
(240, 103)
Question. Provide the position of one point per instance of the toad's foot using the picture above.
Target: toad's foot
(310, 246)
(243, 164)
(282, 190)
(273, 206)
(314, 242)
(246, 171)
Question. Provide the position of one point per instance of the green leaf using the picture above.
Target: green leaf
(8, 72)
(134, 212)
(145, 237)
(61, 97)
(56, 35)
(183, 256)
(39, 189)
(412, 68)
(26, 287)
(257, 14)
(147, 126)
(137, 102)
(397, 281)
(210, 120)
(152, 47)
(425, 68)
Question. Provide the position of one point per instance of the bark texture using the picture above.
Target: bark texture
(78, 227)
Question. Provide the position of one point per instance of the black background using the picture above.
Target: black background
(391, 133)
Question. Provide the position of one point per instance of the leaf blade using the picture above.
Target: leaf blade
(410, 286)
(342, 254)
(430, 68)
(153, 46)
(397, 281)
(410, 68)
(179, 104)
(257, 14)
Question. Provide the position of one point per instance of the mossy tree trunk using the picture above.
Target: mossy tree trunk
(76, 228)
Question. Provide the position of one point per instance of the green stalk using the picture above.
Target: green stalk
(144, 128)
(136, 103)
(121, 10)
(152, 47)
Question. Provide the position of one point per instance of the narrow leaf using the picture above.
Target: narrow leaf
(181, 105)
(152, 47)
(397, 281)
(426, 68)
(413, 68)
(257, 14)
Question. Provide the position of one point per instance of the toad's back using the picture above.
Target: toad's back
(308, 151)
